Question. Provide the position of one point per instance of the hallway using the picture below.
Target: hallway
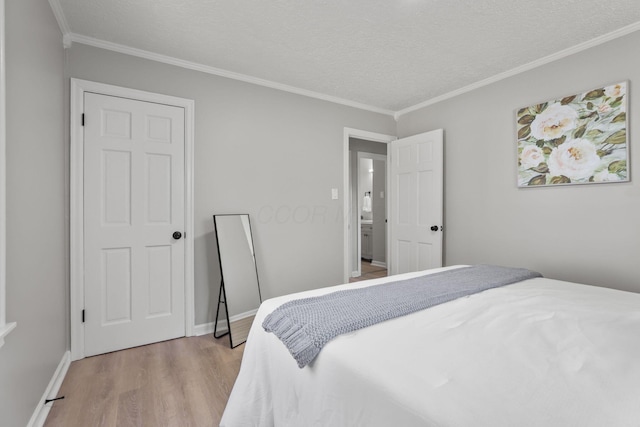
(369, 272)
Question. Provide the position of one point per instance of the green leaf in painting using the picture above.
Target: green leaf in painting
(617, 102)
(619, 118)
(540, 107)
(538, 180)
(588, 116)
(547, 150)
(526, 119)
(524, 132)
(602, 153)
(560, 180)
(540, 143)
(580, 131)
(558, 141)
(541, 168)
(618, 166)
(568, 99)
(521, 111)
(619, 137)
(590, 105)
(594, 133)
(594, 94)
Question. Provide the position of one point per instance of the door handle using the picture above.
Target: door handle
(434, 228)
(177, 235)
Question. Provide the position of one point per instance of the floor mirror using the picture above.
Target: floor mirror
(239, 296)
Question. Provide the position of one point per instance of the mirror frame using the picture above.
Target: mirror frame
(222, 294)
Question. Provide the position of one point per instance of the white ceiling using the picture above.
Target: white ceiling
(387, 54)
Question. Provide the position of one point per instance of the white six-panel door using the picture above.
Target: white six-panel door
(133, 203)
(416, 175)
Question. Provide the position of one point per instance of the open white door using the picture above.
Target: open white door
(416, 175)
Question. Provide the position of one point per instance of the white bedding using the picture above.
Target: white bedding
(540, 352)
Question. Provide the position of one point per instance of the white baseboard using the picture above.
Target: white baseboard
(204, 329)
(40, 414)
(355, 274)
(4, 331)
(207, 328)
(379, 264)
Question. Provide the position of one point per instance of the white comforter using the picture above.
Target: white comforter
(537, 353)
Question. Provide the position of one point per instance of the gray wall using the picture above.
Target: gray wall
(356, 144)
(587, 233)
(37, 285)
(272, 154)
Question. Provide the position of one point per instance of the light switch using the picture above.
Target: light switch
(334, 194)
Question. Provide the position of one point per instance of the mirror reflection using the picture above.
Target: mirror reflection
(239, 296)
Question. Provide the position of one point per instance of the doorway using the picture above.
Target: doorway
(365, 207)
(369, 209)
(415, 204)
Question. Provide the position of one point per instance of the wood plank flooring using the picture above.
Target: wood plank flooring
(183, 382)
(369, 272)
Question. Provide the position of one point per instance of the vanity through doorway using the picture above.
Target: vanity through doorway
(369, 271)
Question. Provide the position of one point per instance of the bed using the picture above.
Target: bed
(539, 352)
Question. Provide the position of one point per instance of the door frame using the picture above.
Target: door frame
(76, 194)
(346, 206)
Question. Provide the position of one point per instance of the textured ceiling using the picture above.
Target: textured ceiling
(389, 54)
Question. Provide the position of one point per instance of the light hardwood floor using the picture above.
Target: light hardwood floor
(369, 272)
(182, 382)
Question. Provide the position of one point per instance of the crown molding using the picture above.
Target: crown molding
(526, 67)
(62, 22)
(77, 38)
(68, 38)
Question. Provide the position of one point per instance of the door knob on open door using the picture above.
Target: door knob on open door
(434, 228)
(177, 235)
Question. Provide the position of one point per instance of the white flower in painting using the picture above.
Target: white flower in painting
(614, 91)
(576, 159)
(531, 157)
(553, 122)
(605, 176)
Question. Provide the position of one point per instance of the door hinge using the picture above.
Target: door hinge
(83, 316)
(82, 119)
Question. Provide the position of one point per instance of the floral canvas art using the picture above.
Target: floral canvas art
(577, 139)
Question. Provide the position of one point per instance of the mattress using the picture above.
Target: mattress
(538, 352)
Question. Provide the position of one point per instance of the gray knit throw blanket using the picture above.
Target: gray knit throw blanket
(306, 325)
